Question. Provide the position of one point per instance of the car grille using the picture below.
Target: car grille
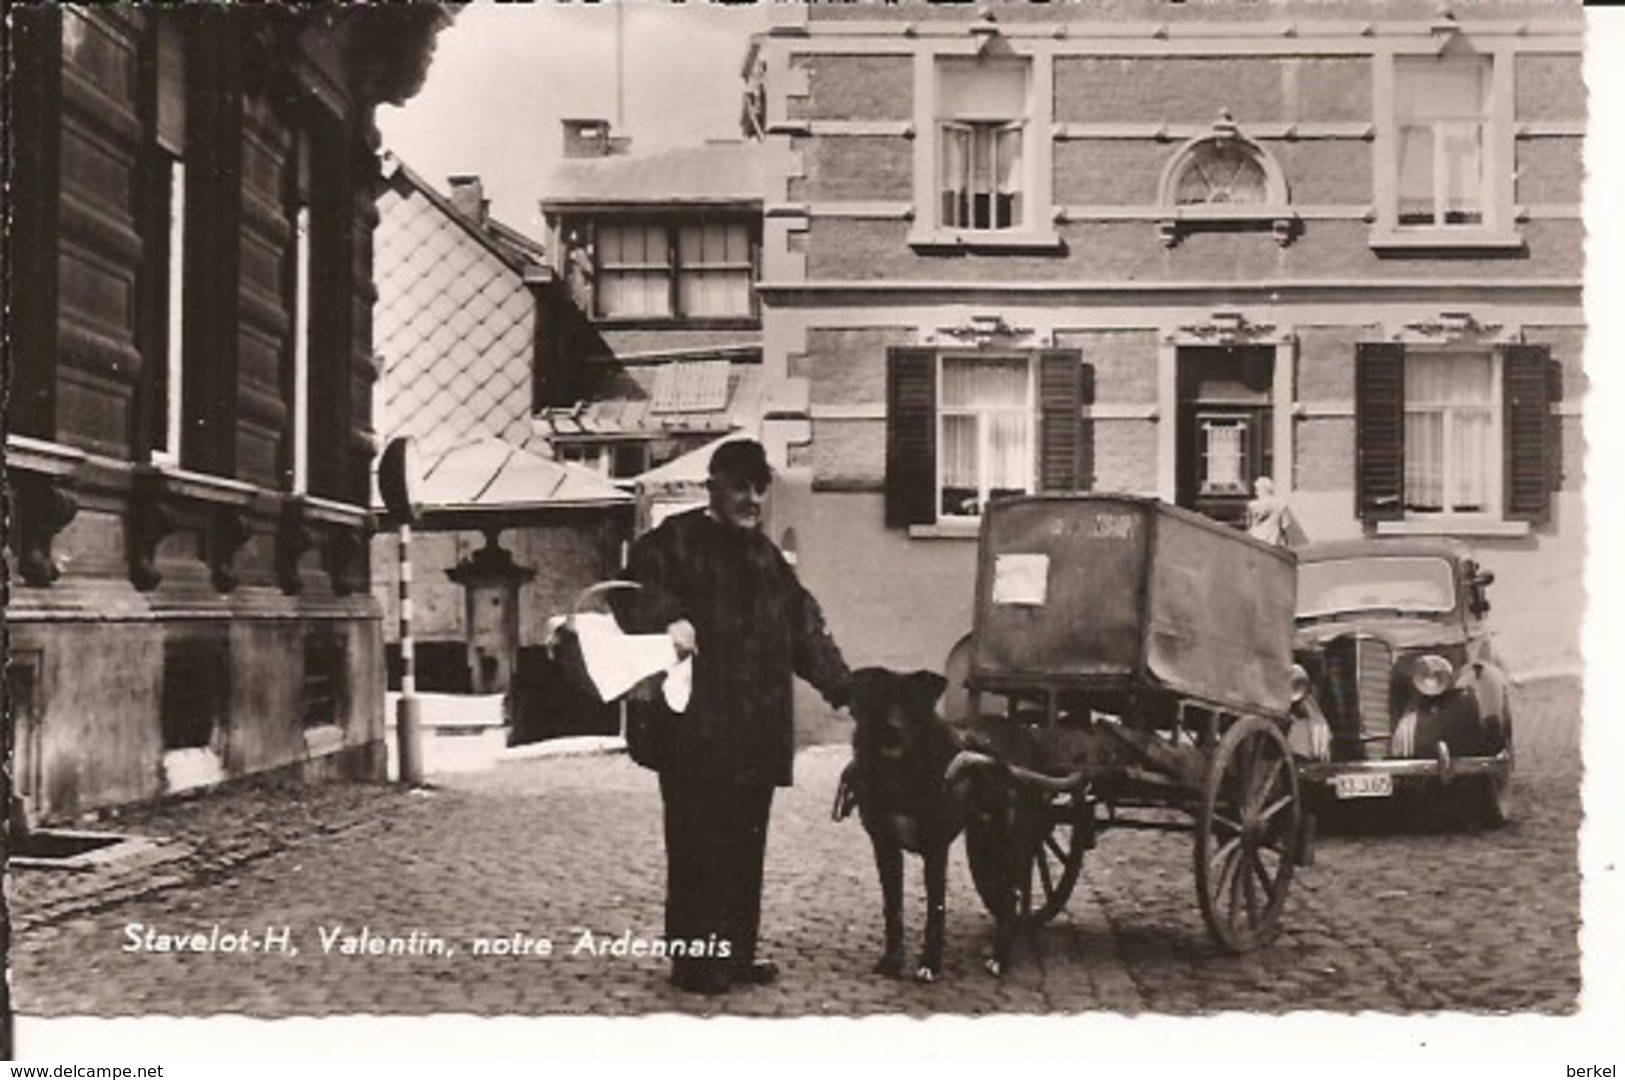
(1359, 676)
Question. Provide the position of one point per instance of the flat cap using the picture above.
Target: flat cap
(744, 459)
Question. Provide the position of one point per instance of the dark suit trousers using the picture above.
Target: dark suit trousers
(716, 837)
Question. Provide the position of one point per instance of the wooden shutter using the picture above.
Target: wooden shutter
(1527, 432)
(1379, 431)
(1060, 421)
(911, 437)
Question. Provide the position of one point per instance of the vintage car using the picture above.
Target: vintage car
(1396, 687)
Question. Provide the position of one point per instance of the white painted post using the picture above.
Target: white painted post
(408, 712)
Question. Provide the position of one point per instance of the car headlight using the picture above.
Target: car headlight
(1432, 675)
(1299, 683)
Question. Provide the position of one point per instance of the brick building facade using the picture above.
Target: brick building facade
(1168, 248)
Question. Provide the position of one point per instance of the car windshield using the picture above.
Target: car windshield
(1410, 584)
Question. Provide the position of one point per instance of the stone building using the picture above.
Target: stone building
(189, 434)
(1168, 248)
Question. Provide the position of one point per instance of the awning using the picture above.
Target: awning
(490, 482)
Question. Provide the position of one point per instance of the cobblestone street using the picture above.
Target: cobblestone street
(1400, 918)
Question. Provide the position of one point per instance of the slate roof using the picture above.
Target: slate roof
(712, 172)
(454, 323)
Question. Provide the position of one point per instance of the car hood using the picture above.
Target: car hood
(1401, 633)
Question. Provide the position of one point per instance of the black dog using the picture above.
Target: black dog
(898, 779)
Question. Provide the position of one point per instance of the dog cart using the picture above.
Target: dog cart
(1129, 665)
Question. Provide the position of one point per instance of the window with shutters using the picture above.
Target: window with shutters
(664, 271)
(985, 430)
(1455, 438)
(1452, 433)
(965, 429)
(1445, 148)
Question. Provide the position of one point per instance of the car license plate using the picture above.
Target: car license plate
(1364, 786)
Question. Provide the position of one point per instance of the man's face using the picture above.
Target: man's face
(737, 501)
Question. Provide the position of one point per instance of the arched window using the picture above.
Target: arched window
(1224, 179)
(1220, 172)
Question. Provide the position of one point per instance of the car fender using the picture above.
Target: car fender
(1489, 687)
(1468, 718)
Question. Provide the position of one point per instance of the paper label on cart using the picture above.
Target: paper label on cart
(1021, 579)
(1364, 785)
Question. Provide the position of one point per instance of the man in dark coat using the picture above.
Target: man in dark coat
(728, 598)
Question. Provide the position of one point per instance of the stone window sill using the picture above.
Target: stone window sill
(335, 513)
(951, 241)
(203, 487)
(42, 457)
(963, 529)
(1447, 525)
(1399, 241)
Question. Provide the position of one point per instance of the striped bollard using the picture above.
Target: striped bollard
(408, 715)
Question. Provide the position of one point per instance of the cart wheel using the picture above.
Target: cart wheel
(1246, 834)
(1054, 836)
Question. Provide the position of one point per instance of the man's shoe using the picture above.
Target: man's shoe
(757, 973)
(708, 980)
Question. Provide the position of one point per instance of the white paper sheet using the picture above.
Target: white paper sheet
(1021, 580)
(618, 661)
(679, 685)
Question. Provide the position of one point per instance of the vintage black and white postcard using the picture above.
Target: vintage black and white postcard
(805, 511)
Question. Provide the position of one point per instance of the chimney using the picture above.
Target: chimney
(592, 139)
(468, 198)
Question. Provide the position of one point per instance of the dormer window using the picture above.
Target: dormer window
(655, 270)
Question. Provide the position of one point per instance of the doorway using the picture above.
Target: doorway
(1224, 432)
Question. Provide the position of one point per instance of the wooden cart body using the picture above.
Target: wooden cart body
(1105, 595)
(1140, 657)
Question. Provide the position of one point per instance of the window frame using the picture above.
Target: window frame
(1273, 210)
(1449, 463)
(674, 270)
(1029, 410)
(1498, 229)
(666, 269)
(979, 132)
(324, 694)
(702, 270)
(1523, 454)
(302, 210)
(1036, 229)
(168, 144)
(302, 330)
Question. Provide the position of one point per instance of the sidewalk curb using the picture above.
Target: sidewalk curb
(574, 746)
